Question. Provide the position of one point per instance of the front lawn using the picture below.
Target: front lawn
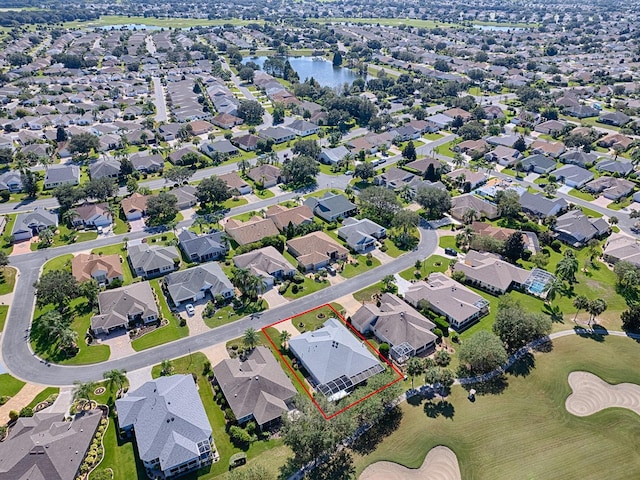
(361, 265)
(392, 249)
(4, 310)
(582, 195)
(234, 202)
(448, 241)
(366, 294)
(315, 318)
(434, 263)
(168, 333)
(620, 204)
(527, 422)
(42, 396)
(309, 285)
(590, 213)
(229, 313)
(63, 262)
(9, 386)
(7, 280)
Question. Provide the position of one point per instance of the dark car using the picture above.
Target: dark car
(451, 251)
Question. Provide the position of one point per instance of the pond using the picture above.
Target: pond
(497, 28)
(322, 70)
(131, 26)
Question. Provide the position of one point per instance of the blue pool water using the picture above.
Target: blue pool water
(537, 287)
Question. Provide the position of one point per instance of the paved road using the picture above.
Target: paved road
(21, 362)
(159, 100)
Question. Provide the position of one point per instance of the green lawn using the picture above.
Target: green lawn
(434, 263)
(81, 321)
(168, 333)
(230, 314)
(7, 280)
(445, 149)
(582, 195)
(264, 193)
(410, 22)
(106, 20)
(365, 294)
(4, 310)
(590, 213)
(63, 262)
(350, 270)
(309, 286)
(526, 431)
(43, 395)
(392, 248)
(6, 246)
(620, 204)
(448, 241)
(119, 455)
(271, 451)
(9, 386)
(118, 249)
(234, 202)
(315, 318)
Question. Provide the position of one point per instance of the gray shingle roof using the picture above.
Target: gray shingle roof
(186, 284)
(168, 418)
(192, 244)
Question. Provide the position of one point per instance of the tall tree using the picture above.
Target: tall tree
(250, 338)
(161, 209)
(595, 308)
(516, 326)
(567, 267)
(83, 391)
(212, 190)
(435, 201)
(300, 170)
(379, 204)
(414, 368)
(514, 247)
(57, 287)
(482, 352)
(115, 378)
(508, 203)
(409, 152)
(580, 303)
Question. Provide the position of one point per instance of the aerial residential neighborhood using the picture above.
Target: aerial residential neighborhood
(314, 240)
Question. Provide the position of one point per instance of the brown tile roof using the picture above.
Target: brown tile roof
(135, 202)
(314, 244)
(233, 180)
(84, 265)
(251, 231)
(282, 216)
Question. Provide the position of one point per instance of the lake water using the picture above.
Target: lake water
(322, 70)
(497, 28)
(131, 26)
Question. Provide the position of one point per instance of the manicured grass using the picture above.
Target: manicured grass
(620, 204)
(81, 314)
(392, 248)
(194, 364)
(350, 270)
(106, 20)
(264, 193)
(448, 241)
(445, 149)
(230, 314)
(431, 136)
(412, 22)
(321, 193)
(434, 263)
(119, 455)
(246, 216)
(168, 333)
(315, 318)
(590, 213)
(582, 195)
(120, 226)
(9, 385)
(63, 262)
(365, 294)
(308, 286)
(7, 280)
(4, 310)
(43, 395)
(328, 170)
(527, 423)
(6, 245)
(234, 202)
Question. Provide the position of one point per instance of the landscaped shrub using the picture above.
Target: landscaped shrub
(294, 289)
(556, 245)
(437, 332)
(297, 278)
(384, 349)
(441, 323)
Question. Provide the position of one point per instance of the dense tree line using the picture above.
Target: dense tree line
(12, 18)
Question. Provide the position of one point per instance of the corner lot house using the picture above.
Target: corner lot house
(61, 175)
(611, 187)
(255, 387)
(316, 250)
(459, 305)
(202, 248)
(361, 235)
(28, 225)
(150, 261)
(332, 156)
(266, 175)
(489, 272)
(47, 447)
(336, 360)
(104, 269)
(463, 203)
(124, 307)
(407, 331)
(331, 207)
(134, 206)
(172, 431)
(268, 263)
(195, 283)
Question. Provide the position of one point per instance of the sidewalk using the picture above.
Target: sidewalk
(20, 400)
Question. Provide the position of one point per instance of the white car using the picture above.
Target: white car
(190, 310)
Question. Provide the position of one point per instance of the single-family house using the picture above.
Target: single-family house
(267, 263)
(473, 148)
(221, 146)
(147, 163)
(226, 121)
(576, 229)
(619, 166)
(550, 149)
(393, 321)
(616, 141)
(48, 446)
(621, 247)
(361, 235)
(439, 121)
(202, 248)
(461, 306)
(463, 203)
(93, 215)
(150, 261)
(550, 127)
(11, 181)
(466, 176)
(30, 224)
(334, 358)
(537, 163)
(61, 175)
(253, 230)
(611, 187)
(295, 216)
(176, 157)
(105, 167)
(302, 128)
(266, 175)
(579, 158)
(234, 181)
(332, 156)
(616, 119)
(277, 134)
(452, 113)
(540, 206)
(125, 307)
(487, 271)
(134, 206)
(316, 250)
(505, 156)
(247, 142)
(172, 431)
(193, 284)
(186, 196)
(573, 175)
(427, 167)
(331, 206)
(255, 387)
(104, 269)
(581, 111)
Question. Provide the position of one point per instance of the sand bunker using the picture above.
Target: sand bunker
(592, 394)
(440, 464)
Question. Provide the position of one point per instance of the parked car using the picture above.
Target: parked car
(99, 230)
(190, 310)
(331, 269)
(349, 172)
(451, 251)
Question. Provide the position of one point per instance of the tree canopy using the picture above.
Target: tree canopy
(482, 352)
(435, 201)
(379, 204)
(516, 326)
(161, 209)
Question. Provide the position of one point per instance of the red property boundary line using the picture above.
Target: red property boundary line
(301, 382)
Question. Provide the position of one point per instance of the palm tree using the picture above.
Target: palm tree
(83, 391)
(567, 267)
(415, 367)
(199, 221)
(250, 338)
(470, 216)
(406, 193)
(115, 378)
(67, 339)
(166, 367)
(551, 289)
(580, 303)
(68, 216)
(387, 281)
(284, 337)
(244, 164)
(46, 236)
(250, 285)
(595, 308)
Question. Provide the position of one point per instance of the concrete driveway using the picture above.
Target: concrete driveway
(137, 225)
(273, 298)
(195, 322)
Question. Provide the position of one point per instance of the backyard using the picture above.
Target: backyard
(560, 446)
